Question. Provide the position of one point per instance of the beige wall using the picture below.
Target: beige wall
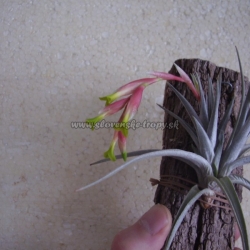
(57, 58)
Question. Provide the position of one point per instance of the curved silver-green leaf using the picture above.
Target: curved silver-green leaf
(218, 151)
(205, 147)
(185, 102)
(236, 179)
(225, 119)
(130, 154)
(196, 85)
(202, 104)
(227, 187)
(210, 99)
(245, 111)
(242, 118)
(193, 195)
(232, 153)
(213, 119)
(242, 81)
(200, 165)
(241, 104)
(185, 125)
(245, 148)
(231, 166)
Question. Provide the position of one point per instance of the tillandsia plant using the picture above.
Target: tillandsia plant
(212, 162)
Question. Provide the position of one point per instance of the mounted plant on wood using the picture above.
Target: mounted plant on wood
(212, 147)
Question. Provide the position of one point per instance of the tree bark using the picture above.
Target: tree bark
(211, 228)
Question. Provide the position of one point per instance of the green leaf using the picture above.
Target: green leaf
(242, 118)
(186, 104)
(185, 125)
(236, 179)
(227, 187)
(231, 166)
(245, 148)
(203, 105)
(218, 151)
(244, 112)
(224, 120)
(243, 98)
(213, 119)
(130, 154)
(200, 165)
(195, 82)
(210, 99)
(193, 195)
(205, 147)
(232, 153)
(242, 80)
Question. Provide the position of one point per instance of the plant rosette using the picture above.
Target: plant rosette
(212, 164)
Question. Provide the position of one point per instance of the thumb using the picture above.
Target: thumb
(148, 233)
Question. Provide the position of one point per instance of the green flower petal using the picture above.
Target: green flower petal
(93, 121)
(110, 153)
(109, 98)
(124, 155)
(123, 128)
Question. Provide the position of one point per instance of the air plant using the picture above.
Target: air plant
(212, 164)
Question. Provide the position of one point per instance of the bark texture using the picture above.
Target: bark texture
(210, 228)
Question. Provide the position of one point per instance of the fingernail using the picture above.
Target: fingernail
(155, 219)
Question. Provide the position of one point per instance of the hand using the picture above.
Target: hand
(149, 232)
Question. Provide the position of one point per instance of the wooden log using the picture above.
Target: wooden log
(211, 228)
